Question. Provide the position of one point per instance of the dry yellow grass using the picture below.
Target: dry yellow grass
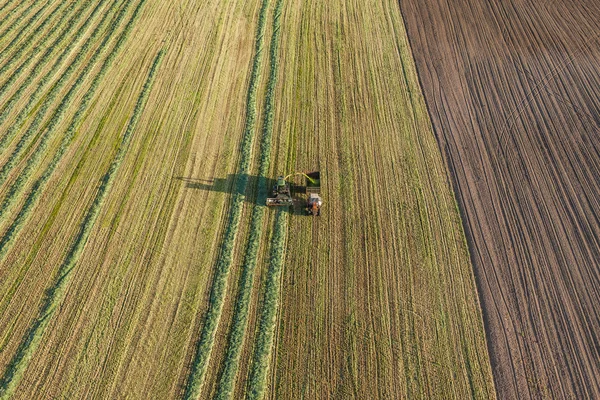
(375, 299)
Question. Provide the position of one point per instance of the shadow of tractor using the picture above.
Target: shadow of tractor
(257, 189)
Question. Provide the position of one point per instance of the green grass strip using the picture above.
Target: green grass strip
(26, 27)
(39, 44)
(37, 188)
(55, 294)
(56, 118)
(240, 313)
(62, 81)
(204, 345)
(268, 317)
(3, 6)
(15, 23)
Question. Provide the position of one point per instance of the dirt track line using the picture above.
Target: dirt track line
(55, 294)
(242, 303)
(195, 378)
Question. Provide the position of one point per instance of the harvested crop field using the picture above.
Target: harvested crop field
(139, 140)
(513, 92)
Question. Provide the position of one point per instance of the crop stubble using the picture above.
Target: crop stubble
(383, 305)
(512, 88)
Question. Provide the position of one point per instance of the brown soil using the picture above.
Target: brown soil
(512, 89)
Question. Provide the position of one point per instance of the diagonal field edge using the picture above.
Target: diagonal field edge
(55, 294)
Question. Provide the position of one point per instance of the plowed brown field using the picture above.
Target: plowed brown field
(513, 92)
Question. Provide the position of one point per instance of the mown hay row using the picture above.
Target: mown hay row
(15, 23)
(27, 26)
(24, 112)
(37, 188)
(212, 317)
(40, 43)
(56, 118)
(240, 316)
(55, 294)
(268, 317)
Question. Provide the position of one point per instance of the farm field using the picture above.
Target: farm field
(138, 142)
(512, 89)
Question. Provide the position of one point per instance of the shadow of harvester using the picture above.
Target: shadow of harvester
(257, 189)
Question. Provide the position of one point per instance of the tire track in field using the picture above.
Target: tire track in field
(17, 186)
(242, 303)
(203, 348)
(55, 294)
(24, 111)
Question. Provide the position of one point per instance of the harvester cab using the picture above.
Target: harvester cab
(281, 194)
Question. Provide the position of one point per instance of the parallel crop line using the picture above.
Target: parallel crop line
(55, 294)
(24, 112)
(39, 45)
(8, 3)
(240, 314)
(204, 345)
(38, 186)
(27, 26)
(17, 20)
(268, 317)
(56, 118)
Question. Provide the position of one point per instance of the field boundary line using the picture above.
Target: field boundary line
(54, 295)
(203, 346)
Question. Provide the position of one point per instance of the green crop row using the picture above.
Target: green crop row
(26, 27)
(55, 294)
(56, 118)
(24, 112)
(268, 317)
(37, 188)
(3, 6)
(218, 290)
(240, 314)
(16, 21)
(39, 44)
